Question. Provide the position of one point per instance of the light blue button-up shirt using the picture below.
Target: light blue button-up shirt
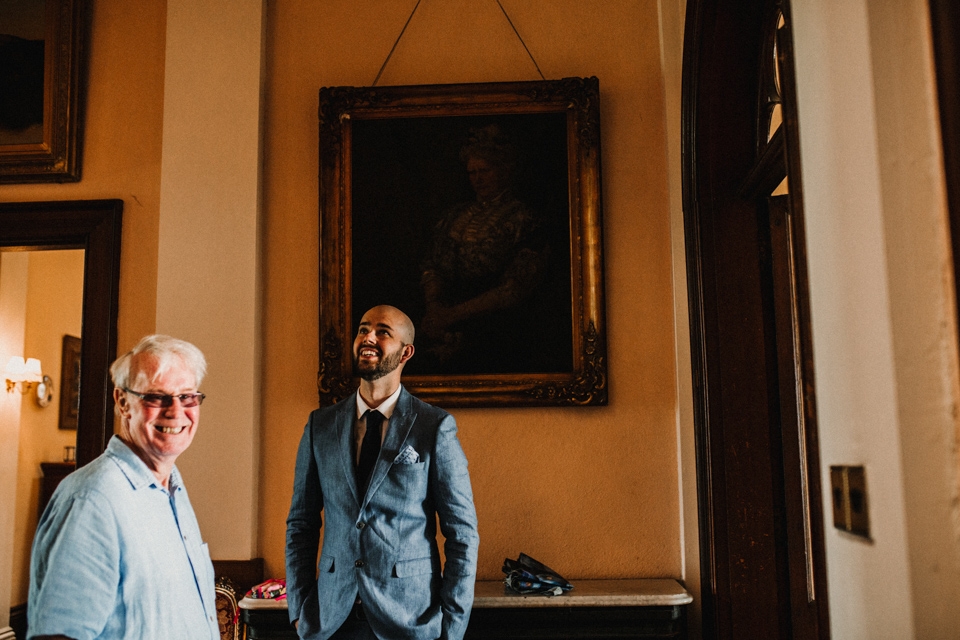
(118, 556)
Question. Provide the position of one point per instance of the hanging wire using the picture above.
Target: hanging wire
(410, 17)
(396, 42)
(520, 39)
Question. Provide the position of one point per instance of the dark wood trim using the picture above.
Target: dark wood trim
(95, 226)
(752, 559)
(717, 155)
(945, 23)
(772, 161)
(18, 620)
(819, 609)
(697, 294)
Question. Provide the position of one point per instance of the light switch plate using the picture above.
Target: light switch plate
(848, 486)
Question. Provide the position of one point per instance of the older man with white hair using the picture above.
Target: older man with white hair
(118, 552)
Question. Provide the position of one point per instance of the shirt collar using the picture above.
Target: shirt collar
(386, 407)
(136, 470)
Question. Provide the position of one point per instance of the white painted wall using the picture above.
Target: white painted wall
(881, 293)
(210, 198)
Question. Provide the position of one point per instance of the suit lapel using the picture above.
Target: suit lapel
(400, 424)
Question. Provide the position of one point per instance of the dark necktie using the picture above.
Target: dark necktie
(369, 449)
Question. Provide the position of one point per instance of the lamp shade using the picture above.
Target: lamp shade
(18, 370)
(15, 370)
(32, 371)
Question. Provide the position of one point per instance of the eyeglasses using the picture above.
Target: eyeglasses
(187, 400)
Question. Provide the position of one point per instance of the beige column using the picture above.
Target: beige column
(208, 282)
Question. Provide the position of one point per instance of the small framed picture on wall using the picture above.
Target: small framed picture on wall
(70, 382)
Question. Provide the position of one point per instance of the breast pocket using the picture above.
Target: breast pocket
(406, 482)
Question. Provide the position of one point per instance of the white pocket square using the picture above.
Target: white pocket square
(409, 455)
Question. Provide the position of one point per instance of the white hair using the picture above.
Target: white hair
(166, 350)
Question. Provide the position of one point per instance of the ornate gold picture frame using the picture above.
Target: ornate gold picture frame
(476, 209)
(41, 70)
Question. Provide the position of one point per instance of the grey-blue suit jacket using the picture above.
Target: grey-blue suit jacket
(382, 546)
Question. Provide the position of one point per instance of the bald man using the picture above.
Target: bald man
(383, 468)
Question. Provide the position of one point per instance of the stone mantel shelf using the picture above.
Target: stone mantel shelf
(644, 592)
(492, 594)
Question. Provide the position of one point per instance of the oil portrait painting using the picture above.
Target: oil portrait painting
(472, 208)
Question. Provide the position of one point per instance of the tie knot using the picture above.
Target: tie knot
(374, 419)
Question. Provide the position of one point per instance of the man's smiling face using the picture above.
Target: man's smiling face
(158, 434)
(380, 346)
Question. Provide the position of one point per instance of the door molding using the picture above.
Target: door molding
(94, 226)
(762, 564)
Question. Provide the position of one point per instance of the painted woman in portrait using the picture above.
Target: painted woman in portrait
(486, 260)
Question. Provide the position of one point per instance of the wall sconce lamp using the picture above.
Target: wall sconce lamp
(24, 373)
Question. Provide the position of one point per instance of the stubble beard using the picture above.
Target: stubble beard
(385, 366)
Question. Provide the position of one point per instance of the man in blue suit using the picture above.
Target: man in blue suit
(383, 467)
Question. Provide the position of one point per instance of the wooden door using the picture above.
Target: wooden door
(761, 524)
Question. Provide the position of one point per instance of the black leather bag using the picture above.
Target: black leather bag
(527, 576)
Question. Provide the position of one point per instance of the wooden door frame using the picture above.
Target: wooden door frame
(94, 226)
(945, 26)
(744, 502)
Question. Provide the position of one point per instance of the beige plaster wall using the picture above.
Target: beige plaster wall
(596, 493)
(208, 259)
(54, 308)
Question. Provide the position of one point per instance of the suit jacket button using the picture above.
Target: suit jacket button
(358, 563)
(360, 525)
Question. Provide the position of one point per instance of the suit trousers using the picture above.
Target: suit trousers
(355, 627)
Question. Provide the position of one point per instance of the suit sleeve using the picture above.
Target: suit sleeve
(303, 527)
(458, 522)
